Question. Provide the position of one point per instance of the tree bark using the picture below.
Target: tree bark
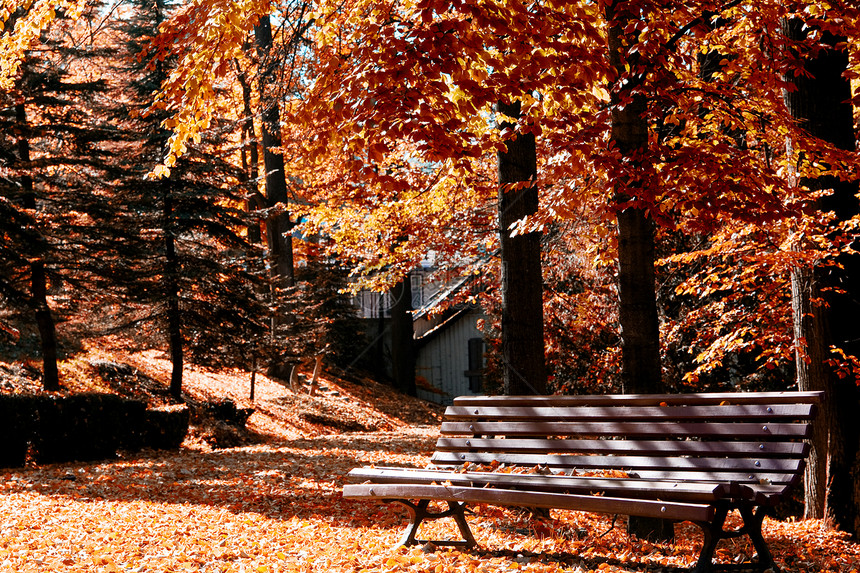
(253, 375)
(250, 158)
(811, 337)
(278, 226)
(28, 197)
(821, 104)
(641, 371)
(524, 366)
(45, 322)
(402, 337)
(315, 379)
(640, 333)
(38, 277)
(174, 312)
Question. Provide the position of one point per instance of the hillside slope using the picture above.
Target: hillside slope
(339, 405)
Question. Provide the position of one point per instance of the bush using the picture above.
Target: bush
(17, 427)
(165, 427)
(83, 427)
(87, 427)
(226, 411)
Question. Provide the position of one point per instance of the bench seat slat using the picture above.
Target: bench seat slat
(743, 430)
(619, 447)
(645, 489)
(722, 476)
(738, 477)
(712, 398)
(645, 508)
(733, 413)
(632, 463)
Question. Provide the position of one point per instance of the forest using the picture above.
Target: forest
(639, 196)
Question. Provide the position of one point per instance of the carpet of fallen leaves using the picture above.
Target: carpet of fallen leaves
(276, 506)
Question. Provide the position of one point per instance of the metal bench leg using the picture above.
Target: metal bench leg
(418, 512)
(751, 527)
(713, 534)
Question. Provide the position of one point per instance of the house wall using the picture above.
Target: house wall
(444, 359)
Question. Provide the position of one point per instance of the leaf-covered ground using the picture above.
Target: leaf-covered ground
(276, 506)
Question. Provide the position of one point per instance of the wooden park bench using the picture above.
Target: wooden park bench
(685, 457)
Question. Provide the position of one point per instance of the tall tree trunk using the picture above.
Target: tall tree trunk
(402, 337)
(524, 366)
(821, 104)
(28, 198)
(379, 342)
(250, 158)
(640, 333)
(278, 226)
(174, 312)
(45, 322)
(38, 277)
(812, 339)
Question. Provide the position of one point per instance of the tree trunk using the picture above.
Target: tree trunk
(379, 367)
(402, 337)
(28, 198)
(315, 379)
(821, 104)
(278, 226)
(250, 158)
(524, 367)
(811, 337)
(640, 333)
(253, 376)
(174, 312)
(38, 277)
(45, 322)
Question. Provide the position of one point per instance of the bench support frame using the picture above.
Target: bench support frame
(418, 512)
(715, 532)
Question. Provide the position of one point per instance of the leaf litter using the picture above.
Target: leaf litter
(276, 506)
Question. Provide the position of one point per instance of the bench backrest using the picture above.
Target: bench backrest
(725, 437)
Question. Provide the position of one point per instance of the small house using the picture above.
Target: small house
(449, 346)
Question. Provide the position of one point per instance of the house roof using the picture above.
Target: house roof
(450, 317)
(435, 301)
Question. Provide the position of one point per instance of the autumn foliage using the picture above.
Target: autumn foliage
(389, 133)
(135, 197)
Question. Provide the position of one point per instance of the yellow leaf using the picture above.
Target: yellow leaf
(600, 93)
(159, 172)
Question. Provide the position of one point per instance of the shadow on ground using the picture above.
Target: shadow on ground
(303, 479)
